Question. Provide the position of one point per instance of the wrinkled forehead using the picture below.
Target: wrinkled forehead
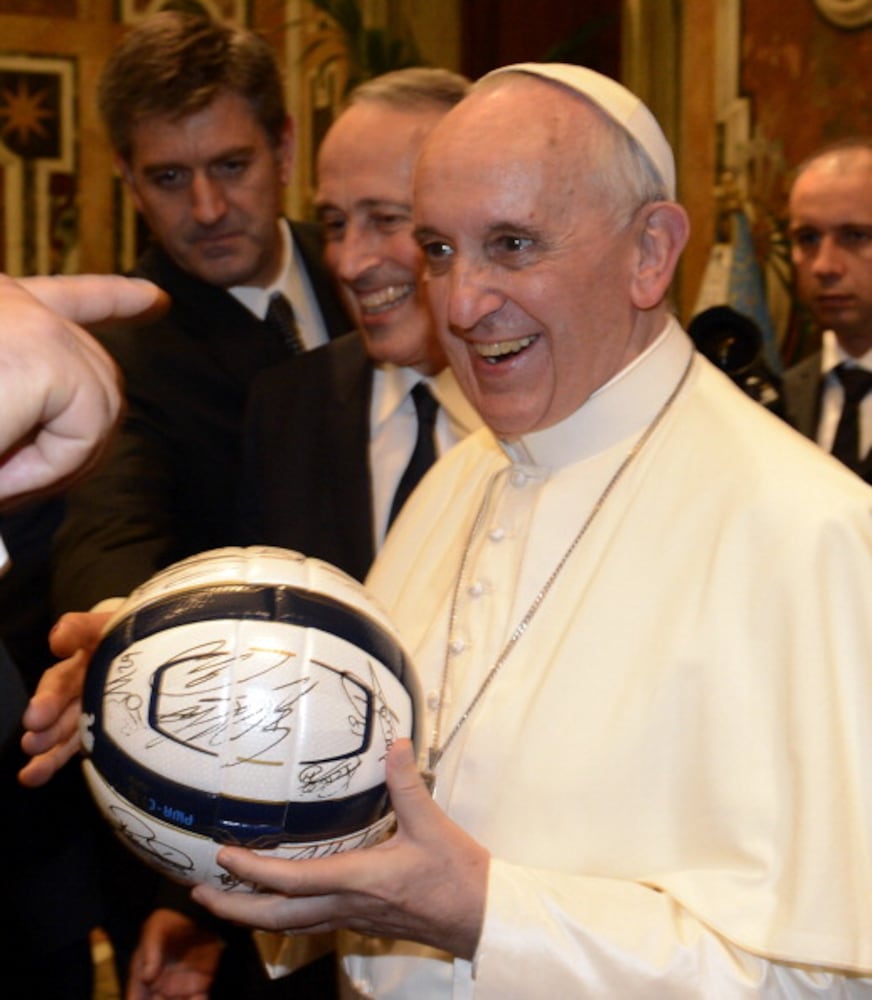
(515, 124)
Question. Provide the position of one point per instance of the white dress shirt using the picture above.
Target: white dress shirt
(394, 429)
(833, 395)
(293, 282)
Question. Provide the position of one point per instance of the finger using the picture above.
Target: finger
(139, 976)
(269, 911)
(59, 689)
(44, 766)
(77, 630)
(312, 877)
(59, 716)
(146, 963)
(89, 298)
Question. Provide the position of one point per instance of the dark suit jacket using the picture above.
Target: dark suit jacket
(169, 485)
(802, 386)
(317, 500)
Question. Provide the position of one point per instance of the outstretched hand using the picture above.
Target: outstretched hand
(175, 957)
(52, 715)
(427, 883)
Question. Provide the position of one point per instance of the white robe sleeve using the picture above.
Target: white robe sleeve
(598, 937)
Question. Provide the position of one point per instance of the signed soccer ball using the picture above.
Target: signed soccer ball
(245, 696)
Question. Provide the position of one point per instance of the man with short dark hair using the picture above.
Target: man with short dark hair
(830, 229)
(196, 113)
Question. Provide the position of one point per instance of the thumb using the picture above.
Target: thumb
(406, 787)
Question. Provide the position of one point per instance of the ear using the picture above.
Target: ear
(123, 168)
(663, 231)
(286, 150)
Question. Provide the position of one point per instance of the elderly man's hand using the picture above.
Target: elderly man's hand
(60, 389)
(427, 883)
(52, 715)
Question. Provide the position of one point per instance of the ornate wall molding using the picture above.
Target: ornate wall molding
(38, 178)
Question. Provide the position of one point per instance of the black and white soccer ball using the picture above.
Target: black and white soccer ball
(245, 696)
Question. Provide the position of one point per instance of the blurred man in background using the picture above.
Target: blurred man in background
(830, 232)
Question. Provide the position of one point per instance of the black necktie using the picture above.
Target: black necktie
(424, 454)
(280, 317)
(856, 383)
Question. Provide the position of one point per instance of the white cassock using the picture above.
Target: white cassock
(672, 767)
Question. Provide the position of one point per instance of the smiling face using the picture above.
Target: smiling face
(831, 244)
(209, 186)
(542, 287)
(365, 169)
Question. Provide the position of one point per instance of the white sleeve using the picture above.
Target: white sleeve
(550, 935)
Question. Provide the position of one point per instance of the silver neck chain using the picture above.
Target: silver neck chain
(436, 752)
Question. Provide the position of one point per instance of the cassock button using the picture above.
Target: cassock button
(519, 478)
(433, 701)
(457, 646)
(475, 589)
(496, 534)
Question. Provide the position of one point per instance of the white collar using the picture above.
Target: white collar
(392, 385)
(256, 299)
(832, 355)
(621, 407)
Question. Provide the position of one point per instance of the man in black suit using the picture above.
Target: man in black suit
(195, 112)
(359, 392)
(831, 249)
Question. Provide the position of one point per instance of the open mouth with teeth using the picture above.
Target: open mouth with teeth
(373, 303)
(502, 350)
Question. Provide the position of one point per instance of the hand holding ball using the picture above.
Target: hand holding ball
(245, 696)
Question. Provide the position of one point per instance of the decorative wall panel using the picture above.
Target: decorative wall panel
(38, 164)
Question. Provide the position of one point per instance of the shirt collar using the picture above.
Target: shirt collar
(833, 355)
(256, 299)
(392, 384)
(621, 407)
